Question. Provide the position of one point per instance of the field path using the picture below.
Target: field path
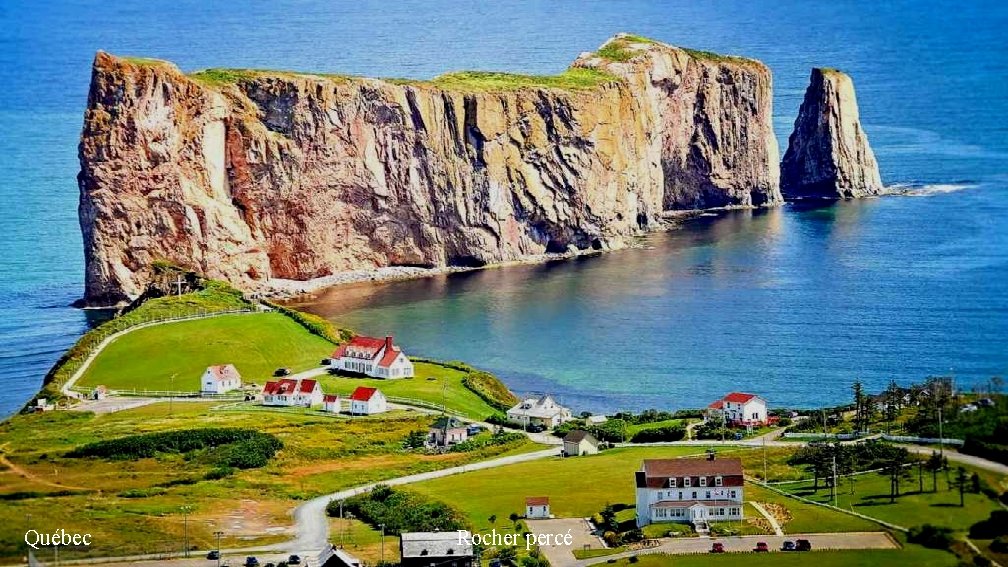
(773, 521)
(30, 475)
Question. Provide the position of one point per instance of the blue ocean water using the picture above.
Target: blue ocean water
(795, 304)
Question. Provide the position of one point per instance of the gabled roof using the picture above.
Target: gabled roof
(280, 387)
(363, 394)
(537, 501)
(447, 422)
(664, 468)
(308, 386)
(389, 357)
(330, 398)
(717, 405)
(577, 436)
(223, 372)
(739, 397)
(435, 544)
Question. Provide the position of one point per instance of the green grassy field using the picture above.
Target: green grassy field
(871, 497)
(433, 383)
(257, 344)
(606, 478)
(636, 427)
(135, 506)
(809, 518)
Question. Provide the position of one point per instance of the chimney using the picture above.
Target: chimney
(388, 344)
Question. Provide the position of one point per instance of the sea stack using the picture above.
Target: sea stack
(828, 156)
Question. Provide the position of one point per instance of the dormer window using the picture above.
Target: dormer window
(686, 482)
(671, 482)
(703, 481)
(717, 481)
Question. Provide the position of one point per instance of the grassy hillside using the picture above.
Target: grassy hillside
(255, 343)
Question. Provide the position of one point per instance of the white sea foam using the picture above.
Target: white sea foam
(929, 190)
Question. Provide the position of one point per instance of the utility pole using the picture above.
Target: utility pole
(765, 479)
(342, 524)
(171, 398)
(941, 434)
(178, 285)
(834, 480)
(218, 534)
(185, 529)
(383, 543)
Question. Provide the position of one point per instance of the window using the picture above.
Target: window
(694, 495)
(707, 496)
(686, 482)
(671, 482)
(733, 494)
(703, 481)
(717, 481)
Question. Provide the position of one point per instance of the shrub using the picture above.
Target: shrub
(1000, 544)
(935, 537)
(994, 526)
(666, 433)
(239, 448)
(315, 325)
(400, 511)
(482, 441)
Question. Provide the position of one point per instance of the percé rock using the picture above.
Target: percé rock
(248, 176)
(828, 156)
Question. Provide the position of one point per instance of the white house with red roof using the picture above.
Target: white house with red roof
(367, 401)
(332, 403)
(694, 491)
(738, 408)
(220, 379)
(377, 358)
(303, 392)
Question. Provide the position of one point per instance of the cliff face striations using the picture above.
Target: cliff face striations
(828, 156)
(252, 175)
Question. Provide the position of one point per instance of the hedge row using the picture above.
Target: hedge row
(488, 387)
(314, 324)
(992, 451)
(482, 441)
(238, 448)
(664, 433)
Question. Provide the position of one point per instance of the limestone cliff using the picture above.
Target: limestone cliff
(828, 156)
(251, 175)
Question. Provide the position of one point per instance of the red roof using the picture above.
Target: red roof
(285, 386)
(307, 386)
(363, 394)
(739, 397)
(328, 398)
(223, 371)
(389, 357)
(717, 405)
(537, 501)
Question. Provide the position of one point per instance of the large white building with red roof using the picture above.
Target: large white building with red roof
(367, 401)
(220, 379)
(292, 392)
(738, 409)
(694, 491)
(377, 358)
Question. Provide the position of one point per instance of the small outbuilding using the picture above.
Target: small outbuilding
(367, 401)
(331, 403)
(99, 392)
(537, 508)
(579, 443)
(333, 556)
(447, 431)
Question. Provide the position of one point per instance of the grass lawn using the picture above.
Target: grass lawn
(257, 344)
(871, 497)
(433, 383)
(807, 518)
(606, 478)
(363, 541)
(135, 506)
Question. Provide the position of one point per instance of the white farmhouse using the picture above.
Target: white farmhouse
(303, 392)
(367, 401)
(537, 508)
(542, 412)
(738, 409)
(220, 379)
(693, 491)
(372, 357)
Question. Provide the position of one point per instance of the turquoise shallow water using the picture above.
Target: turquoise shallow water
(793, 303)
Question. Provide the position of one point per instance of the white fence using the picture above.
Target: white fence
(922, 440)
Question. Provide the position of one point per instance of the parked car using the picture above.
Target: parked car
(326, 361)
(717, 547)
(251, 561)
(213, 555)
(761, 547)
(281, 372)
(788, 546)
(294, 560)
(803, 545)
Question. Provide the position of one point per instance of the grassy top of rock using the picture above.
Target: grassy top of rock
(624, 47)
